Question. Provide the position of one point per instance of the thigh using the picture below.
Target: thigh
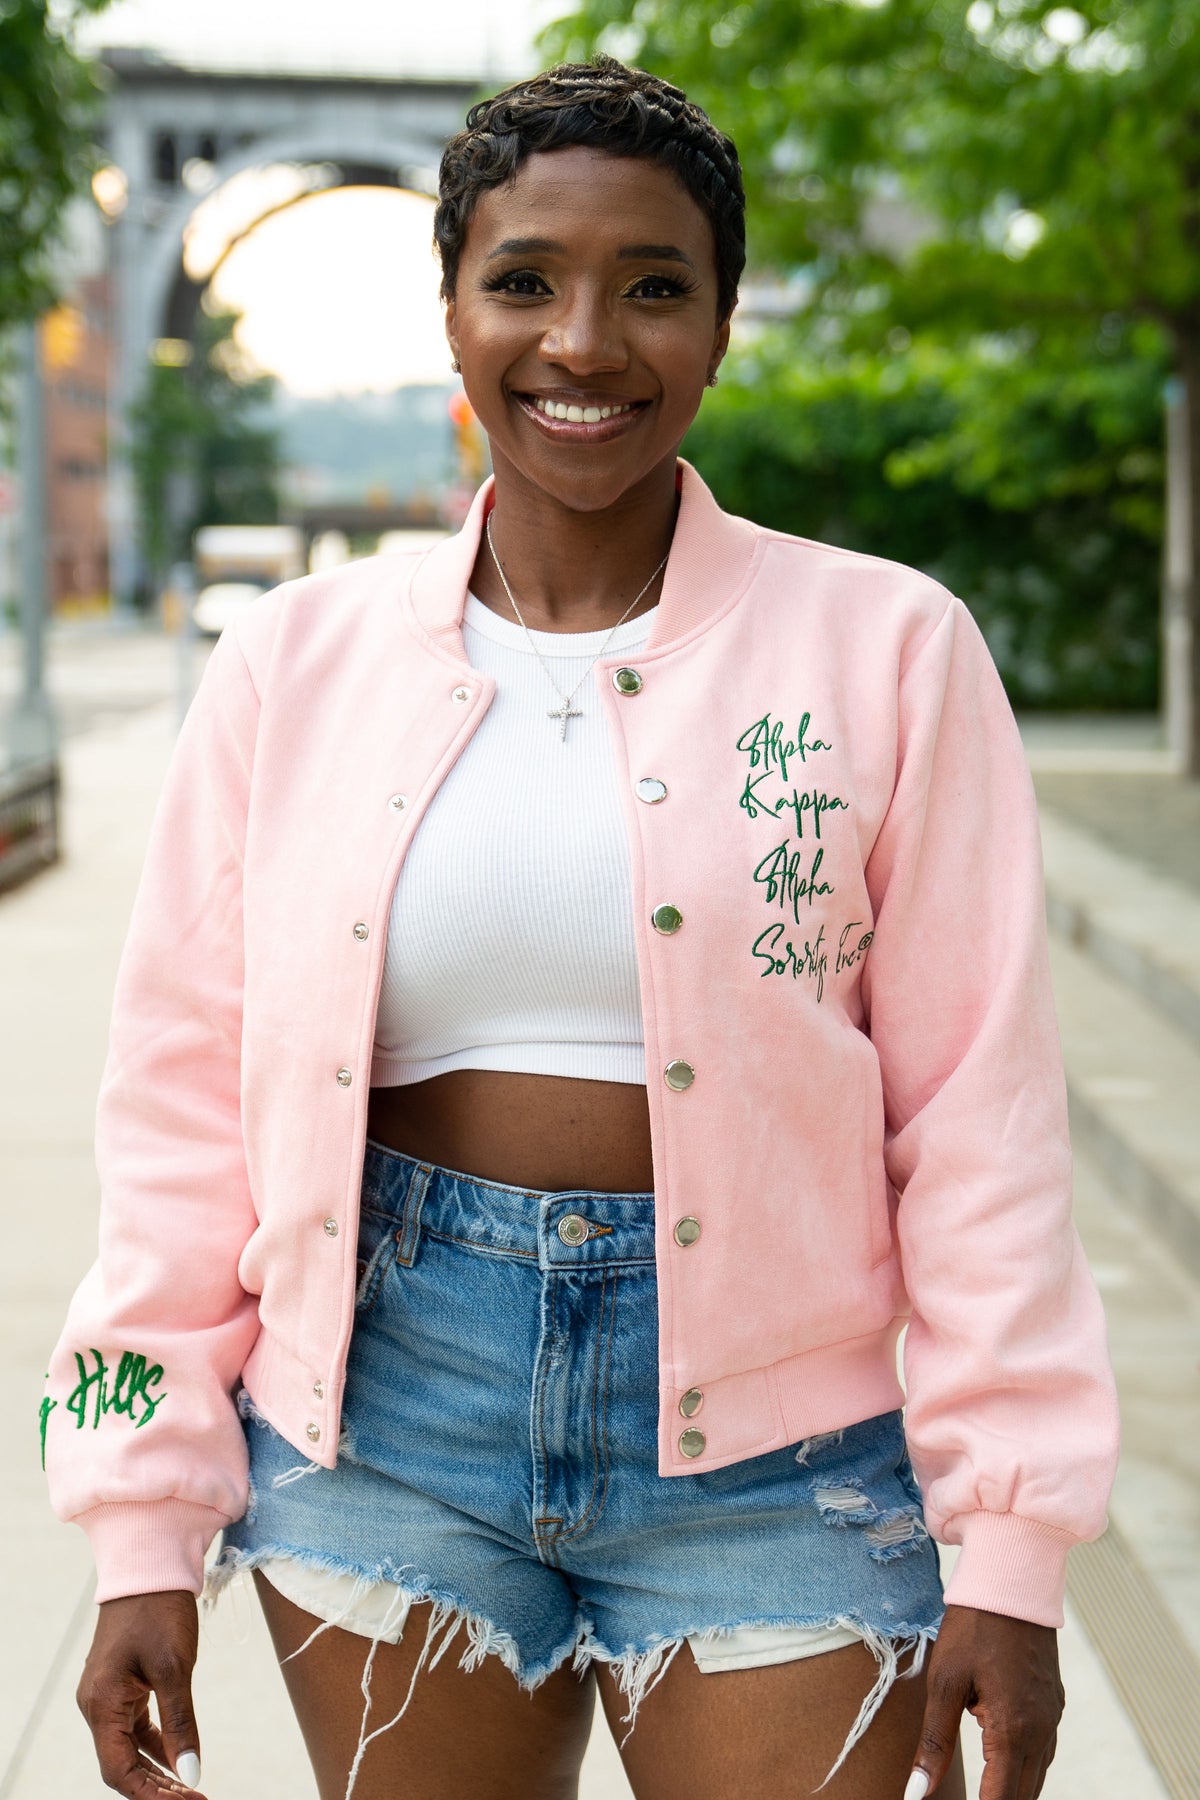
(771, 1733)
(474, 1733)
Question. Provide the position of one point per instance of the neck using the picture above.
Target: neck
(571, 570)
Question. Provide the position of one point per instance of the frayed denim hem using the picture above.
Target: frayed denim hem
(636, 1671)
(449, 1614)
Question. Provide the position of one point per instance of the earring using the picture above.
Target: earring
(712, 380)
(456, 366)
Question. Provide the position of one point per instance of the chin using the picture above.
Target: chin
(586, 491)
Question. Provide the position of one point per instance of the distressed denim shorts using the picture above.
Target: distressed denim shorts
(498, 1458)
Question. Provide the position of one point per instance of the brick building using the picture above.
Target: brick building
(74, 341)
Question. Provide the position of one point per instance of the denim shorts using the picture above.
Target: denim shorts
(498, 1458)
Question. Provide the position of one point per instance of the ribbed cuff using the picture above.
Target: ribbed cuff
(149, 1546)
(1009, 1565)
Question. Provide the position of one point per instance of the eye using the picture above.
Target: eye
(660, 287)
(525, 284)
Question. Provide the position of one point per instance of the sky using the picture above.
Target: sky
(474, 37)
(339, 291)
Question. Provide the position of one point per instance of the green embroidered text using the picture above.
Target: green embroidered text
(127, 1394)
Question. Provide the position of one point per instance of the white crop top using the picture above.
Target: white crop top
(510, 939)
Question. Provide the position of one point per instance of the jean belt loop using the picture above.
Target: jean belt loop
(410, 1223)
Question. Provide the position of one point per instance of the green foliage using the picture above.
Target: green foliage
(49, 101)
(1011, 190)
(986, 120)
(1032, 489)
(199, 451)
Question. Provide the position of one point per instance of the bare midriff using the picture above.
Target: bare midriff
(534, 1131)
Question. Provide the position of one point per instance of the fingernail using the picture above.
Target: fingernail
(187, 1770)
(918, 1785)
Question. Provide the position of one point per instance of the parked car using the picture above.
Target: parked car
(237, 563)
(217, 603)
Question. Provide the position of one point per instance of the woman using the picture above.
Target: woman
(673, 887)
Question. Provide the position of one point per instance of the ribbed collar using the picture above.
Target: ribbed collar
(711, 554)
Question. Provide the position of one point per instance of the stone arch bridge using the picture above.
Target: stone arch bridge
(179, 133)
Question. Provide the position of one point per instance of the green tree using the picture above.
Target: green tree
(1033, 491)
(201, 449)
(49, 101)
(1005, 166)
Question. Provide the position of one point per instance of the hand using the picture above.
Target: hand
(1005, 1671)
(144, 1644)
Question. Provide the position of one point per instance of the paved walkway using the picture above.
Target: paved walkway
(59, 941)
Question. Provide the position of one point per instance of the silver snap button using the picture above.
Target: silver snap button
(687, 1232)
(344, 1078)
(398, 802)
(362, 931)
(461, 693)
(679, 1075)
(572, 1229)
(314, 1432)
(650, 789)
(627, 681)
(692, 1442)
(331, 1228)
(319, 1389)
(691, 1403)
(666, 919)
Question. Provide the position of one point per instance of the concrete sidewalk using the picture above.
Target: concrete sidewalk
(60, 937)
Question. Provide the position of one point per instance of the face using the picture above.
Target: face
(585, 320)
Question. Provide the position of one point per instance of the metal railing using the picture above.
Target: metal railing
(28, 822)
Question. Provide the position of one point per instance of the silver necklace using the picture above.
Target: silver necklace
(564, 711)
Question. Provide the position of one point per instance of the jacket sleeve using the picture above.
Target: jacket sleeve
(1011, 1407)
(140, 1435)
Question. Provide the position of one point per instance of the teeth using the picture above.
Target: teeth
(578, 415)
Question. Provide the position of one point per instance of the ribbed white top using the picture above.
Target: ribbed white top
(510, 940)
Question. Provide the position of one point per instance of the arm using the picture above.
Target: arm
(143, 1447)
(1011, 1408)
(141, 1441)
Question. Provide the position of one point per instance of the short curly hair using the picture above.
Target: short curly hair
(610, 107)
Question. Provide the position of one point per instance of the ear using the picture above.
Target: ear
(451, 324)
(720, 346)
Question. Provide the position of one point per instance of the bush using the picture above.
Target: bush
(1025, 476)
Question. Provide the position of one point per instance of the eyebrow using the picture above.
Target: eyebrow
(628, 252)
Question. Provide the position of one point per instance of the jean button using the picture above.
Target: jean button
(572, 1229)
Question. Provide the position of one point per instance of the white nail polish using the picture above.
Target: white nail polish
(187, 1770)
(918, 1785)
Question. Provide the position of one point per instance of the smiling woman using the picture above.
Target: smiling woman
(530, 1126)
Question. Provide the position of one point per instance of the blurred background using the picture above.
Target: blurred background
(968, 339)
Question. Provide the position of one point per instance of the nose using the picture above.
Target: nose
(584, 335)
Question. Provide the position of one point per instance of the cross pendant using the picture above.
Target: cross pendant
(562, 714)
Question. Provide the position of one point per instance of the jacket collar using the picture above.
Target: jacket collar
(711, 555)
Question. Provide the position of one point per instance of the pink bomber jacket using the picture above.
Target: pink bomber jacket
(855, 1079)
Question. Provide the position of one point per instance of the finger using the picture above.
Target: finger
(148, 1739)
(127, 1772)
(1004, 1771)
(938, 1741)
(172, 1683)
(1044, 1770)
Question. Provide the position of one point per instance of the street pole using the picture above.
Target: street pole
(32, 725)
(1177, 648)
